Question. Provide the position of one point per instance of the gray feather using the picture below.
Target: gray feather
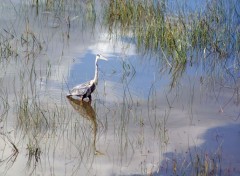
(83, 89)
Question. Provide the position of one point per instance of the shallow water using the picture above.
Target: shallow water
(137, 123)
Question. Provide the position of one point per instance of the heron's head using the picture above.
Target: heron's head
(99, 56)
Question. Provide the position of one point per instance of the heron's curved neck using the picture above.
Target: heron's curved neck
(95, 80)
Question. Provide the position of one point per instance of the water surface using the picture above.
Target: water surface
(137, 124)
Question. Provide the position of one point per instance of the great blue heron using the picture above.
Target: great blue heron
(86, 89)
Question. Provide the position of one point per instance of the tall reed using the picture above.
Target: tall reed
(174, 39)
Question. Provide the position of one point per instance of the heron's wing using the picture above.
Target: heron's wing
(80, 89)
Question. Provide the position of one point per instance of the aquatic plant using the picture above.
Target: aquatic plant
(174, 39)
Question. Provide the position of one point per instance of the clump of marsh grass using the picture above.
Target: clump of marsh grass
(65, 12)
(151, 28)
(175, 39)
(12, 45)
(30, 43)
(33, 153)
(31, 117)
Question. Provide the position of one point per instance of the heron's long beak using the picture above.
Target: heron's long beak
(103, 58)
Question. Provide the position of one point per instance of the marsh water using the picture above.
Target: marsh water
(145, 117)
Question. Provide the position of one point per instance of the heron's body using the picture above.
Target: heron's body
(86, 89)
(83, 90)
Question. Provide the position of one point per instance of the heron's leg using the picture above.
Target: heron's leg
(84, 96)
(90, 98)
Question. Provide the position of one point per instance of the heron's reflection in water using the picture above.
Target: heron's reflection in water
(85, 110)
